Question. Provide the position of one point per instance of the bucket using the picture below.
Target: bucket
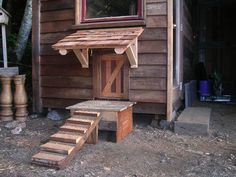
(205, 88)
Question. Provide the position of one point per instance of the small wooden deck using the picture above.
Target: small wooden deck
(115, 115)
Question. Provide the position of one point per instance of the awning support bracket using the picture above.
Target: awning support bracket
(131, 52)
(83, 57)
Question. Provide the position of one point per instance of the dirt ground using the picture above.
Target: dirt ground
(147, 151)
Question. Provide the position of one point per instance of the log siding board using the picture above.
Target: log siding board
(67, 93)
(57, 15)
(56, 5)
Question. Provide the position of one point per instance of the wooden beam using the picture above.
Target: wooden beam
(169, 110)
(37, 101)
(83, 57)
(132, 53)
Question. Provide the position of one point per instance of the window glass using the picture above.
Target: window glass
(100, 9)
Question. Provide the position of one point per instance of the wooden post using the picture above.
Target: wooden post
(20, 98)
(6, 113)
(4, 46)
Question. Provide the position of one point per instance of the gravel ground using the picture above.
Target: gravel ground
(147, 151)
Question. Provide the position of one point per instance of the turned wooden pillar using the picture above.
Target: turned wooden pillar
(20, 98)
(6, 113)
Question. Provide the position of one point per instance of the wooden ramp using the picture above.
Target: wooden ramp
(62, 146)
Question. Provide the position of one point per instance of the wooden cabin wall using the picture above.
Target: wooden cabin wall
(148, 83)
(63, 82)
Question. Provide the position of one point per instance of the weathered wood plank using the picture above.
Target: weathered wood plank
(150, 108)
(69, 59)
(52, 146)
(37, 105)
(49, 158)
(66, 138)
(148, 83)
(56, 26)
(148, 96)
(149, 71)
(154, 34)
(66, 70)
(68, 93)
(156, 21)
(156, 8)
(69, 82)
(81, 121)
(56, 5)
(75, 128)
(52, 38)
(59, 102)
(152, 59)
(57, 15)
(152, 47)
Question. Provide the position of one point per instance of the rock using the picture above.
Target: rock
(154, 123)
(58, 114)
(11, 125)
(164, 124)
(16, 131)
(107, 169)
(34, 116)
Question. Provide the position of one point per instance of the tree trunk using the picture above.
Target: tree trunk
(24, 31)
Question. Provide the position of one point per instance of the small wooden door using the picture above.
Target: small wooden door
(110, 76)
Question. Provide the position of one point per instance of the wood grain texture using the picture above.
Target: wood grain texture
(69, 82)
(152, 59)
(150, 108)
(148, 96)
(152, 47)
(156, 21)
(148, 83)
(37, 104)
(156, 8)
(170, 62)
(149, 71)
(57, 15)
(66, 70)
(56, 5)
(67, 93)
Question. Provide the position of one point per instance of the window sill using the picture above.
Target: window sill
(98, 25)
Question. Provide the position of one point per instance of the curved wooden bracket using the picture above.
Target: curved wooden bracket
(83, 57)
(132, 53)
(63, 51)
(120, 51)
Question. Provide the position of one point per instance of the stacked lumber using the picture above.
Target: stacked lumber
(62, 146)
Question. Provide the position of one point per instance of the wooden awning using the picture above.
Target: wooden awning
(120, 39)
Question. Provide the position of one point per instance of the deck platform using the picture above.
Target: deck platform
(115, 115)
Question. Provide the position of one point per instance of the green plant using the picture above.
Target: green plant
(217, 83)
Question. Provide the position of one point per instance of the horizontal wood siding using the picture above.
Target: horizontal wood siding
(148, 82)
(63, 81)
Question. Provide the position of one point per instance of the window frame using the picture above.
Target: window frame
(83, 19)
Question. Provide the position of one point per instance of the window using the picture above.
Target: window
(110, 10)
